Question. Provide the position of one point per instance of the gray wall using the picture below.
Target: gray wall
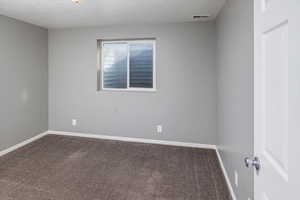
(23, 81)
(235, 91)
(185, 103)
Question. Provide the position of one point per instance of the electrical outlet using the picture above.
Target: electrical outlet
(159, 128)
(74, 122)
(236, 179)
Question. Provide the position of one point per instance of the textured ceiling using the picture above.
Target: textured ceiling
(65, 13)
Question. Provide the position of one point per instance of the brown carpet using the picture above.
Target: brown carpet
(73, 168)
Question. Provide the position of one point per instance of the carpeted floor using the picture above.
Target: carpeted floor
(73, 168)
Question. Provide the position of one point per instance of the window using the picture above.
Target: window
(127, 65)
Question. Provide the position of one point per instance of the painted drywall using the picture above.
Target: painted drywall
(23, 81)
(235, 91)
(185, 100)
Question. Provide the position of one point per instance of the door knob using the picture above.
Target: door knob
(255, 162)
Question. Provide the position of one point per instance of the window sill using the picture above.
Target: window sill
(128, 90)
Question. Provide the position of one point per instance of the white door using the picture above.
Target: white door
(271, 102)
(294, 98)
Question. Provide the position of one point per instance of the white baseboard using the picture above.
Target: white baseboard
(139, 140)
(226, 176)
(106, 137)
(21, 144)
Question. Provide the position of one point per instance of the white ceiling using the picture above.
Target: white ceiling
(65, 13)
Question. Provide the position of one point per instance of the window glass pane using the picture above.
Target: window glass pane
(115, 65)
(141, 65)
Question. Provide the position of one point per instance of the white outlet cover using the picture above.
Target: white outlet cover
(74, 122)
(236, 178)
(159, 128)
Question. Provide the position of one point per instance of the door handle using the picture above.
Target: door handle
(255, 162)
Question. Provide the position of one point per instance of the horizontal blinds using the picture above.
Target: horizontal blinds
(115, 65)
(141, 65)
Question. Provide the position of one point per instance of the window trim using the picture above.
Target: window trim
(100, 59)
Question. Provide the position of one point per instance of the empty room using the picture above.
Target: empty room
(149, 99)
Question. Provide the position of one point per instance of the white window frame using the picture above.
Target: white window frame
(144, 41)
